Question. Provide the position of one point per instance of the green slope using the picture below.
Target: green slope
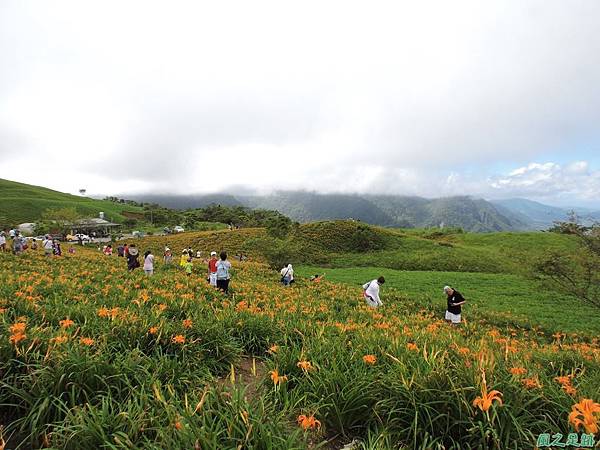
(21, 202)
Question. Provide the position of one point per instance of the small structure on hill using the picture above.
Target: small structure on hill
(97, 225)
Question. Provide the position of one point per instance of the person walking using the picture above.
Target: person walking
(121, 250)
(454, 302)
(148, 263)
(223, 275)
(371, 292)
(212, 269)
(287, 275)
(132, 258)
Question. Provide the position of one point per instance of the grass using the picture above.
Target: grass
(21, 202)
(489, 296)
(92, 356)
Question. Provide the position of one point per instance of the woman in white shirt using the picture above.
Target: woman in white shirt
(371, 292)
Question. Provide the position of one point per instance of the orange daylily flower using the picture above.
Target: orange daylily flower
(15, 338)
(18, 327)
(518, 371)
(274, 348)
(308, 422)
(531, 383)
(412, 347)
(103, 312)
(584, 413)
(305, 365)
(66, 323)
(153, 330)
(485, 401)
(370, 359)
(487, 398)
(187, 323)
(179, 339)
(86, 341)
(277, 379)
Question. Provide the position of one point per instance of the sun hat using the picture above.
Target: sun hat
(133, 251)
(447, 288)
(213, 253)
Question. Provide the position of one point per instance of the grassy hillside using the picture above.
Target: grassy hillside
(21, 202)
(354, 244)
(498, 299)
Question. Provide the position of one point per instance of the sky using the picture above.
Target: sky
(494, 99)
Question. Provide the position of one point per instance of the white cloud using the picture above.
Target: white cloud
(394, 97)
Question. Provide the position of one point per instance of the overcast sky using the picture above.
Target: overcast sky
(489, 98)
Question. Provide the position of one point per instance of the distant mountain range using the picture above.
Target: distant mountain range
(471, 214)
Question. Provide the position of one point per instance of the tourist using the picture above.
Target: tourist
(108, 251)
(34, 244)
(125, 250)
(287, 275)
(148, 263)
(121, 250)
(71, 250)
(371, 292)
(48, 245)
(57, 250)
(2, 241)
(189, 266)
(223, 276)
(198, 254)
(17, 244)
(316, 278)
(455, 300)
(168, 256)
(184, 258)
(132, 257)
(212, 269)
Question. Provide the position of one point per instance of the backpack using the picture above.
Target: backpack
(222, 271)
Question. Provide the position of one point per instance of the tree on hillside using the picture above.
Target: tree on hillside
(578, 273)
(58, 219)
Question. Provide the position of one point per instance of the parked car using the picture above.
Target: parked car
(77, 236)
(178, 229)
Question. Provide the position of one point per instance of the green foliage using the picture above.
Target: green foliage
(21, 202)
(576, 273)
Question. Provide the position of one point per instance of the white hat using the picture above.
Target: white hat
(447, 288)
(213, 253)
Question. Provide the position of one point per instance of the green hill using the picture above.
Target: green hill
(21, 202)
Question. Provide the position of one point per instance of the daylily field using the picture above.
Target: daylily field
(92, 356)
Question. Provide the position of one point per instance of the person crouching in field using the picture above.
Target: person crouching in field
(287, 275)
(189, 266)
(148, 263)
(132, 258)
(455, 300)
(371, 292)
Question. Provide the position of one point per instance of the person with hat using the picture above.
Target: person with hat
(132, 258)
(455, 301)
(168, 256)
(212, 269)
